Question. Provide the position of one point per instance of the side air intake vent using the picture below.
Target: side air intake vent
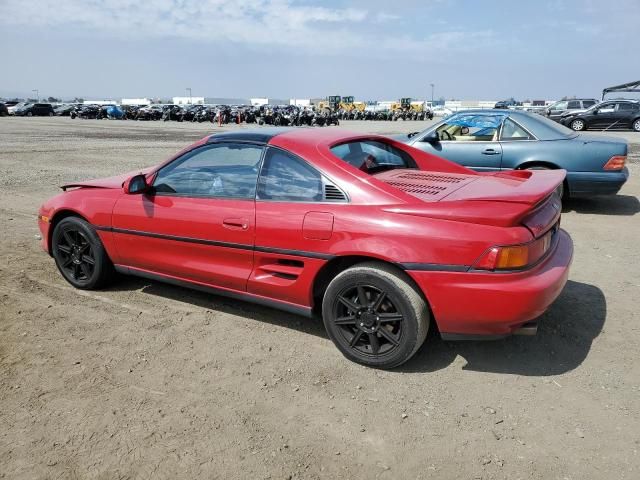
(333, 194)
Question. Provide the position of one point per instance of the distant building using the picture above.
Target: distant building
(100, 102)
(188, 100)
(300, 102)
(135, 101)
(258, 102)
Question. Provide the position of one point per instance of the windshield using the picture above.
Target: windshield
(471, 127)
(373, 156)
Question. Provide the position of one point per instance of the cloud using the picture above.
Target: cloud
(257, 24)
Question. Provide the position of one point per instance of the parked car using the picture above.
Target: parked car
(492, 140)
(378, 238)
(618, 114)
(65, 109)
(35, 110)
(559, 108)
(3, 110)
(16, 106)
(506, 104)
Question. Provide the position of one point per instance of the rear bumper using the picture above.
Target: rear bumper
(596, 183)
(492, 305)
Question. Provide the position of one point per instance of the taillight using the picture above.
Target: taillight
(615, 163)
(515, 257)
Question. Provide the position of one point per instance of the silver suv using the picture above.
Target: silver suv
(555, 110)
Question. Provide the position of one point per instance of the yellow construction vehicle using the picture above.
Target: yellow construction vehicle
(331, 103)
(348, 105)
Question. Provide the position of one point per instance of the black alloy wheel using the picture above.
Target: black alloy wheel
(374, 315)
(79, 254)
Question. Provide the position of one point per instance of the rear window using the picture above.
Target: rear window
(373, 156)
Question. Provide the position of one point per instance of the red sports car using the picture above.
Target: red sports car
(380, 239)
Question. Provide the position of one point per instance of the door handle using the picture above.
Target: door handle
(235, 223)
(490, 151)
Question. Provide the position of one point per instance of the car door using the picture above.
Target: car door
(603, 116)
(197, 222)
(516, 143)
(556, 110)
(294, 223)
(478, 149)
(626, 112)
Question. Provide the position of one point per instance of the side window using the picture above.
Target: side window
(512, 131)
(626, 106)
(226, 170)
(607, 108)
(285, 177)
(573, 104)
(588, 103)
(560, 106)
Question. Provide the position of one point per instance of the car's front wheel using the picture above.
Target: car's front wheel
(80, 255)
(636, 125)
(578, 125)
(374, 315)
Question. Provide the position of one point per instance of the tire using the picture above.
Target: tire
(636, 125)
(51, 114)
(80, 255)
(29, 114)
(374, 316)
(578, 125)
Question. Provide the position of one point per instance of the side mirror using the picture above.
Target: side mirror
(431, 137)
(596, 111)
(136, 184)
(412, 134)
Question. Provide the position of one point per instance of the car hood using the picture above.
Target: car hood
(107, 182)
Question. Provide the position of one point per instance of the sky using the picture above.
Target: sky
(372, 49)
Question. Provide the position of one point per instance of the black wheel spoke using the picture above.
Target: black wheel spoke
(67, 238)
(348, 320)
(76, 271)
(379, 301)
(362, 296)
(355, 338)
(85, 270)
(66, 249)
(375, 343)
(390, 317)
(67, 262)
(348, 303)
(386, 334)
(88, 259)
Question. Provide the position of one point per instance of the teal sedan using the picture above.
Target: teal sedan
(491, 140)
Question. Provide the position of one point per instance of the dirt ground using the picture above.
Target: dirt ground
(146, 380)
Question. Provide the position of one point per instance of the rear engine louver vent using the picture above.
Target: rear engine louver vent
(418, 189)
(430, 177)
(333, 194)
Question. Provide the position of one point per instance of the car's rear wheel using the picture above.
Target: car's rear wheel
(636, 125)
(80, 255)
(578, 125)
(374, 315)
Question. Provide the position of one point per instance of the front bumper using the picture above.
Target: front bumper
(488, 304)
(583, 184)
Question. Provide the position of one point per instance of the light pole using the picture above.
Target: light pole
(37, 94)
(190, 100)
(432, 86)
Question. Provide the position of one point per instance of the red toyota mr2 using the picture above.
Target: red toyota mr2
(379, 238)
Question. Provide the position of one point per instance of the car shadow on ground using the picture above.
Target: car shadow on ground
(565, 334)
(219, 303)
(605, 205)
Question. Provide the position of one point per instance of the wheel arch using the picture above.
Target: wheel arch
(546, 164)
(57, 218)
(341, 263)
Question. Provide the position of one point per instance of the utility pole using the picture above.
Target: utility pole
(190, 99)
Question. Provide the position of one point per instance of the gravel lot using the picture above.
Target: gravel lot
(145, 380)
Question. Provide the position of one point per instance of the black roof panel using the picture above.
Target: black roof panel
(257, 135)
